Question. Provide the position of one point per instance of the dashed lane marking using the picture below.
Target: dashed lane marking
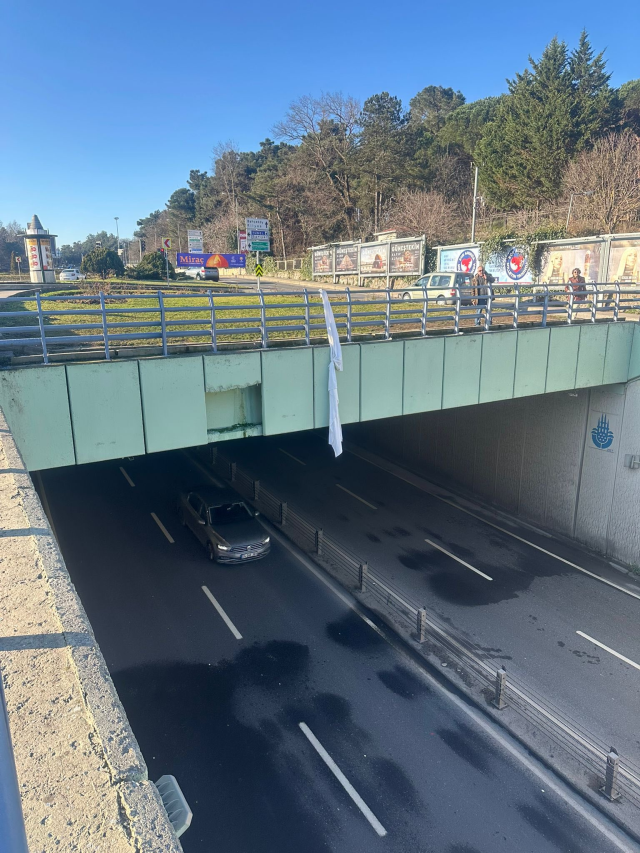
(607, 649)
(457, 559)
(162, 527)
(291, 456)
(222, 613)
(357, 497)
(127, 477)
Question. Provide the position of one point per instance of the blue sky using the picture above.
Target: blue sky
(107, 106)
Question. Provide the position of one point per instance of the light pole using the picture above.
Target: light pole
(587, 192)
(117, 232)
(475, 207)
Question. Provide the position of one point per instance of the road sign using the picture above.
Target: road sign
(258, 245)
(259, 272)
(194, 239)
(253, 224)
(166, 242)
(18, 259)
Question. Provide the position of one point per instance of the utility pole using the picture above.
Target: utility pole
(475, 207)
(117, 232)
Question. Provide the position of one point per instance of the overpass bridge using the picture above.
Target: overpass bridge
(99, 377)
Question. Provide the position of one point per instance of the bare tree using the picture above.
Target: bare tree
(426, 213)
(610, 173)
(327, 126)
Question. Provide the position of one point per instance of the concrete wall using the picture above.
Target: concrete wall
(87, 412)
(534, 457)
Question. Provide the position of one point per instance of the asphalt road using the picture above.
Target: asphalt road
(527, 617)
(238, 720)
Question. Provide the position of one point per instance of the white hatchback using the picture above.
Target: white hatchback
(72, 274)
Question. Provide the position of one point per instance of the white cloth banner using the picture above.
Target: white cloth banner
(335, 430)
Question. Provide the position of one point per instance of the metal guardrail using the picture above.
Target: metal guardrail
(53, 324)
(618, 775)
(12, 833)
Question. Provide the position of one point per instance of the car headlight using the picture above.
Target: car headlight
(267, 540)
(224, 548)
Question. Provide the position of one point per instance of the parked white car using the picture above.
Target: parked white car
(72, 274)
(201, 273)
(440, 287)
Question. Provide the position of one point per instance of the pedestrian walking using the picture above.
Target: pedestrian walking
(481, 283)
(576, 285)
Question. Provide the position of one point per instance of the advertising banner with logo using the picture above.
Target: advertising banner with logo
(194, 239)
(624, 262)
(215, 259)
(406, 258)
(322, 261)
(512, 267)
(32, 254)
(558, 263)
(242, 240)
(347, 259)
(374, 259)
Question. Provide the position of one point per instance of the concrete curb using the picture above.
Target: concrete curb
(141, 804)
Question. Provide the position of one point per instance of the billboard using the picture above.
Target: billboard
(32, 254)
(347, 259)
(512, 267)
(558, 262)
(322, 260)
(39, 260)
(405, 258)
(215, 259)
(624, 262)
(374, 258)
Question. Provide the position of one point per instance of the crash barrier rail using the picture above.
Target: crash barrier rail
(614, 774)
(102, 324)
(12, 833)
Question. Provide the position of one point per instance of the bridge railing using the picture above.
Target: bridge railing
(107, 325)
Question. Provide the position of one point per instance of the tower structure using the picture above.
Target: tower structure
(39, 247)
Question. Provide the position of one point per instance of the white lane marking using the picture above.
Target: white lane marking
(162, 527)
(127, 478)
(490, 728)
(223, 615)
(457, 559)
(357, 497)
(497, 527)
(607, 649)
(291, 456)
(346, 784)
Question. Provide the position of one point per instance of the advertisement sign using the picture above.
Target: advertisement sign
(347, 259)
(406, 258)
(31, 247)
(624, 262)
(322, 260)
(512, 267)
(242, 241)
(559, 261)
(374, 259)
(194, 240)
(214, 259)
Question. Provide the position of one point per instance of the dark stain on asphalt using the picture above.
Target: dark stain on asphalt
(415, 560)
(373, 538)
(180, 710)
(589, 658)
(403, 682)
(555, 825)
(465, 742)
(561, 644)
(353, 632)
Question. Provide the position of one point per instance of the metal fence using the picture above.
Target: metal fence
(616, 774)
(12, 832)
(107, 325)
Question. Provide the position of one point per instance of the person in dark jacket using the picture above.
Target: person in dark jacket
(481, 283)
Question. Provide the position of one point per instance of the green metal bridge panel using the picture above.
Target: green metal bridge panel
(287, 390)
(531, 362)
(593, 345)
(461, 371)
(563, 358)
(173, 402)
(105, 410)
(497, 370)
(36, 406)
(423, 372)
(348, 385)
(634, 361)
(224, 371)
(618, 352)
(381, 371)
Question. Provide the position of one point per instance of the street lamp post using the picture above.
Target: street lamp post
(587, 192)
(117, 232)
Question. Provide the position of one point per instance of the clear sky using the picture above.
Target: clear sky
(107, 106)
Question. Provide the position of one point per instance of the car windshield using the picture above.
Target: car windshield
(228, 512)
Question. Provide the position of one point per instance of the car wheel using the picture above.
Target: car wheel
(211, 553)
(406, 296)
(198, 277)
(440, 300)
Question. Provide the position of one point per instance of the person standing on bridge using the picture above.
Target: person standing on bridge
(576, 284)
(481, 283)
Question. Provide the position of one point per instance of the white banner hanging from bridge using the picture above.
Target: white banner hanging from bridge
(335, 363)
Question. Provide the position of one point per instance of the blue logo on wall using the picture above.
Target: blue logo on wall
(601, 435)
(516, 265)
(466, 262)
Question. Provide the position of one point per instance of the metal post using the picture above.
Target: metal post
(422, 625)
(500, 689)
(363, 570)
(105, 329)
(594, 301)
(256, 490)
(43, 337)
(475, 207)
(263, 321)
(348, 292)
(616, 304)
(232, 471)
(566, 228)
(456, 311)
(516, 306)
(545, 306)
(163, 323)
(487, 310)
(166, 257)
(307, 318)
(319, 538)
(610, 787)
(283, 512)
(570, 307)
(212, 308)
(425, 307)
(258, 277)
(387, 316)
